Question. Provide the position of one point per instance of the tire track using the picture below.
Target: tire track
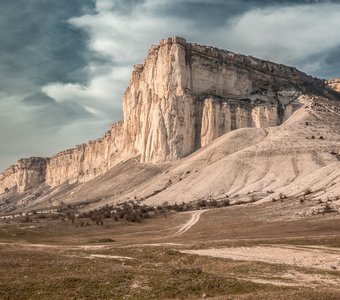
(193, 220)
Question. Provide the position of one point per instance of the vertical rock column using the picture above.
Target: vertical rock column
(264, 116)
(216, 120)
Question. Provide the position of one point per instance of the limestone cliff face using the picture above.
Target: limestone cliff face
(183, 97)
(86, 161)
(26, 174)
(220, 117)
(158, 109)
(79, 164)
(216, 120)
(162, 120)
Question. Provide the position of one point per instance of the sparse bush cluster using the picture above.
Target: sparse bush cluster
(135, 212)
(129, 211)
(326, 208)
(132, 211)
(200, 204)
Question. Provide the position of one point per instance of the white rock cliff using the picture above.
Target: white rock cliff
(183, 97)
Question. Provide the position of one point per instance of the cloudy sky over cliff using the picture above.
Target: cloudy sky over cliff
(64, 65)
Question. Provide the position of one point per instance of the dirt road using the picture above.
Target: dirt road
(193, 220)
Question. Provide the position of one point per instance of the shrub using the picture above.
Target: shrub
(307, 191)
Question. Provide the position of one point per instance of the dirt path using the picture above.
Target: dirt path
(300, 256)
(193, 220)
(67, 247)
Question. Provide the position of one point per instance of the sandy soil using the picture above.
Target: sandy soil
(109, 256)
(296, 278)
(288, 159)
(301, 256)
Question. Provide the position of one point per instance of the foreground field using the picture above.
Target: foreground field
(243, 252)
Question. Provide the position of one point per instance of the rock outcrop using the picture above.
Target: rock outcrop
(86, 161)
(26, 174)
(183, 97)
(334, 84)
(171, 97)
(81, 163)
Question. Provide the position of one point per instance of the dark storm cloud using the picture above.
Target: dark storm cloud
(214, 12)
(205, 12)
(48, 113)
(37, 44)
(332, 62)
(37, 125)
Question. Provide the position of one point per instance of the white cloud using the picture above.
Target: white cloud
(286, 34)
(291, 35)
(123, 39)
(99, 96)
(102, 5)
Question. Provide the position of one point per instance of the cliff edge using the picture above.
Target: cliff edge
(182, 98)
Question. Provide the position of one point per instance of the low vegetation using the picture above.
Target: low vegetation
(136, 212)
(129, 260)
(132, 211)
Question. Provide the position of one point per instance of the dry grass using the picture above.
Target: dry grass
(52, 258)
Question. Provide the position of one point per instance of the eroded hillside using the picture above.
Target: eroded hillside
(198, 122)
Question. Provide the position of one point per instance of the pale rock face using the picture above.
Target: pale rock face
(86, 161)
(81, 163)
(158, 110)
(183, 97)
(32, 172)
(216, 120)
(334, 84)
(26, 174)
(162, 120)
(265, 116)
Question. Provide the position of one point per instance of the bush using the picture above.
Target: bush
(307, 191)
(282, 196)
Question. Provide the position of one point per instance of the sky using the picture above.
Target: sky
(64, 65)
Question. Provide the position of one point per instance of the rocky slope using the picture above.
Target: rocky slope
(182, 98)
(299, 159)
(303, 154)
